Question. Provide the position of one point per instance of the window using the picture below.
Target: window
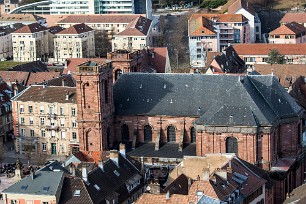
(62, 122)
(73, 124)
(62, 110)
(52, 122)
(42, 109)
(43, 133)
(147, 133)
(171, 136)
(45, 202)
(118, 73)
(43, 146)
(125, 132)
(13, 201)
(52, 133)
(63, 135)
(231, 145)
(21, 108)
(30, 109)
(106, 91)
(73, 111)
(31, 121)
(74, 135)
(22, 132)
(42, 121)
(64, 148)
(22, 120)
(32, 133)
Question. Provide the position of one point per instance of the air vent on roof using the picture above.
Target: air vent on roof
(24, 187)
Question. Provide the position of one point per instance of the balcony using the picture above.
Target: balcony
(51, 116)
(52, 127)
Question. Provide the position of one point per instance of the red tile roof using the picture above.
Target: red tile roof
(20, 17)
(72, 63)
(31, 28)
(264, 49)
(292, 28)
(138, 27)
(100, 18)
(238, 4)
(38, 77)
(297, 17)
(52, 20)
(14, 76)
(160, 199)
(76, 29)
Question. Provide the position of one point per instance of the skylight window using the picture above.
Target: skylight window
(117, 173)
(77, 193)
(97, 187)
(24, 187)
(46, 188)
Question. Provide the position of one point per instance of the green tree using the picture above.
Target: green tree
(212, 3)
(2, 154)
(274, 57)
(102, 43)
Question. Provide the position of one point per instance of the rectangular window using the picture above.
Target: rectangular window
(31, 121)
(52, 133)
(62, 110)
(73, 111)
(22, 120)
(22, 132)
(42, 109)
(30, 109)
(44, 148)
(64, 148)
(74, 135)
(32, 134)
(21, 109)
(63, 135)
(13, 201)
(62, 122)
(73, 124)
(42, 121)
(43, 133)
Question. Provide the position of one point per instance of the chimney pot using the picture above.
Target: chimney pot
(122, 149)
(114, 156)
(101, 165)
(84, 173)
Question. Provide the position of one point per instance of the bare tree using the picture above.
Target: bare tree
(102, 43)
(28, 150)
(41, 158)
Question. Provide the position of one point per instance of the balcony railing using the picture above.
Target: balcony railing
(52, 127)
(51, 116)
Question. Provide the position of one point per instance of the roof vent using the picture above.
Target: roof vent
(77, 193)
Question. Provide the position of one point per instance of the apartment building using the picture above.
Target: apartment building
(30, 43)
(45, 118)
(214, 32)
(6, 46)
(258, 53)
(292, 33)
(8, 5)
(76, 41)
(137, 35)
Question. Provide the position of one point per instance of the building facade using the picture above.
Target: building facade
(45, 118)
(214, 32)
(76, 41)
(8, 5)
(290, 33)
(30, 43)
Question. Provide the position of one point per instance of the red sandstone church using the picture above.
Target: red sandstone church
(172, 115)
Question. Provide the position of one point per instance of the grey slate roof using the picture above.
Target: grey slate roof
(27, 185)
(247, 100)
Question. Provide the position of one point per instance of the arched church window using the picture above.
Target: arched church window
(193, 134)
(125, 133)
(171, 137)
(231, 145)
(147, 133)
(106, 91)
(118, 73)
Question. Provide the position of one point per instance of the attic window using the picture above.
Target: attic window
(24, 187)
(97, 187)
(77, 193)
(117, 173)
(199, 193)
(46, 188)
(203, 31)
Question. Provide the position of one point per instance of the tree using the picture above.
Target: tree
(41, 158)
(274, 57)
(28, 150)
(102, 43)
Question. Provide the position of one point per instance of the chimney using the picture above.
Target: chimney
(101, 165)
(205, 174)
(32, 173)
(84, 172)
(67, 95)
(222, 173)
(114, 156)
(189, 183)
(122, 149)
(213, 179)
(168, 195)
(72, 169)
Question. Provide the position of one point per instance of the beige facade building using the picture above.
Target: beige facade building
(137, 35)
(45, 118)
(290, 33)
(30, 43)
(76, 41)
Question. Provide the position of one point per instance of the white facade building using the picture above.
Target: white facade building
(72, 7)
